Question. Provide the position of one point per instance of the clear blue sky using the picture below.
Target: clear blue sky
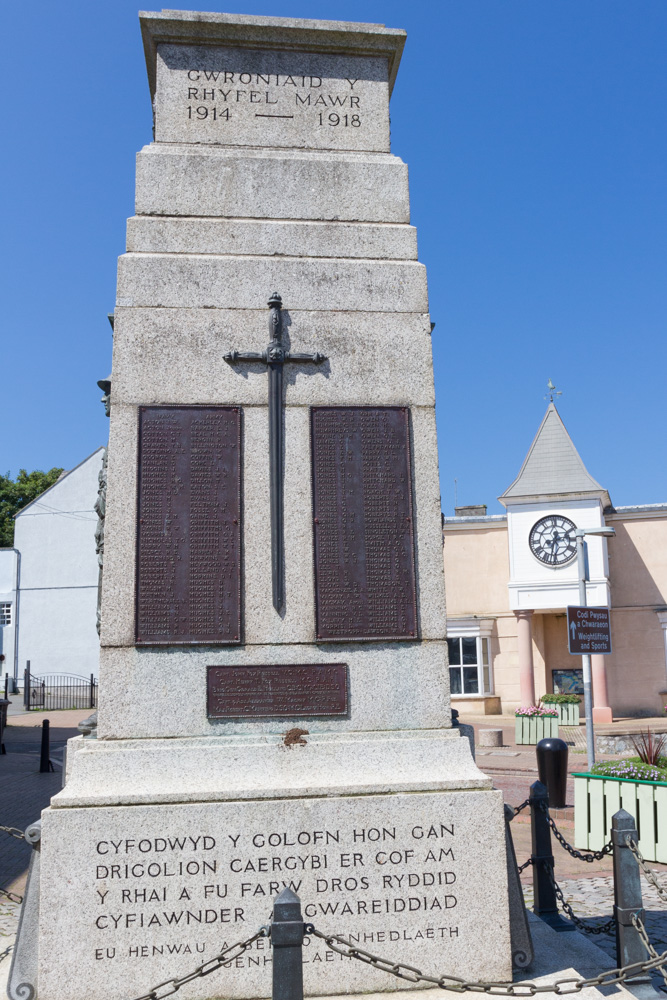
(535, 134)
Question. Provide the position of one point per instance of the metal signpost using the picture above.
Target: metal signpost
(582, 625)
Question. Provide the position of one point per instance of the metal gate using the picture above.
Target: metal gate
(52, 691)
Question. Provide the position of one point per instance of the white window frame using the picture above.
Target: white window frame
(480, 630)
(5, 612)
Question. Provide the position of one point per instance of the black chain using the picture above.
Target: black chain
(226, 956)
(517, 809)
(455, 985)
(8, 950)
(586, 928)
(13, 831)
(588, 856)
(11, 895)
(648, 872)
(524, 865)
(638, 925)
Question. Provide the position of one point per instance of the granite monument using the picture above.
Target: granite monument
(272, 551)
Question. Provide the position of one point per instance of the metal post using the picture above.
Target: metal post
(92, 691)
(627, 890)
(6, 686)
(26, 686)
(45, 764)
(286, 941)
(544, 896)
(585, 658)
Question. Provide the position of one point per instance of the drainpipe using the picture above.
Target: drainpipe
(17, 586)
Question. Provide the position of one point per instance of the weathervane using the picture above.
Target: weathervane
(552, 391)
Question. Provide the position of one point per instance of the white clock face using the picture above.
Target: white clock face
(552, 540)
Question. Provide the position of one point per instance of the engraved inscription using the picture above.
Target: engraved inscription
(168, 890)
(260, 97)
(189, 525)
(289, 690)
(362, 500)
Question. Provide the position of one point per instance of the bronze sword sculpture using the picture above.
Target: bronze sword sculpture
(274, 357)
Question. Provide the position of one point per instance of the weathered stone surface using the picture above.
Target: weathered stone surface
(268, 184)
(148, 234)
(153, 693)
(192, 281)
(262, 625)
(299, 34)
(177, 355)
(266, 766)
(239, 97)
(423, 834)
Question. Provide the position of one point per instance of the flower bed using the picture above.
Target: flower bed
(567, 706)
(534, 723)
(597, 796)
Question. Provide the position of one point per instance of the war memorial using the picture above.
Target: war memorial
(274, 703)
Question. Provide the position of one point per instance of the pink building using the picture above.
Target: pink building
(510, 578)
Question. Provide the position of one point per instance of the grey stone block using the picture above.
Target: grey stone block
(299, 34)
(148, 234)
(490, 737)
(167, 280)
(78, 845)
(243, 97)
(148, 692)
(177, 356)
(269, 184)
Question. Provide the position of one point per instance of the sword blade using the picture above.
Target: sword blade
(276, 484)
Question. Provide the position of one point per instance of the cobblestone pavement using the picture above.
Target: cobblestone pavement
(592, 900)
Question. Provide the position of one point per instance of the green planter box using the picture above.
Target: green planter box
(568, 714)
(596, 799)
(532, 729)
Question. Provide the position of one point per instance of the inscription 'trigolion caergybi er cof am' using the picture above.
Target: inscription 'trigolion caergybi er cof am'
(266, 98)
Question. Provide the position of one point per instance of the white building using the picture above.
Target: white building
(9, 563)
(48, 581)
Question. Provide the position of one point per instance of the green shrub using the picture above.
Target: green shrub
(561, 699)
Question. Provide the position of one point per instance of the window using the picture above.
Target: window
(5, 614)
(469, 665)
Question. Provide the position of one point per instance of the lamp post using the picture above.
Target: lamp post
(582, 575)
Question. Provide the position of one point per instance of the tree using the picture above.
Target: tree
(16, 494)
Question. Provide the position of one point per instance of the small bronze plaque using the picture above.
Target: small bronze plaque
(307, 689)
(189, 525)
(362, 508)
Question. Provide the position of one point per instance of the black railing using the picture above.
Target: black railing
(53, 691)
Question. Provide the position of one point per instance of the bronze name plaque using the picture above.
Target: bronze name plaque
(362, 508)
(189, 525)
(292, 690)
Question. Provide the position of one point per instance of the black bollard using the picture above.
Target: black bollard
(552, 769)
(287, 931)
(45, 764)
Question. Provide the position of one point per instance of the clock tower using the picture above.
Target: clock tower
(552, 496)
